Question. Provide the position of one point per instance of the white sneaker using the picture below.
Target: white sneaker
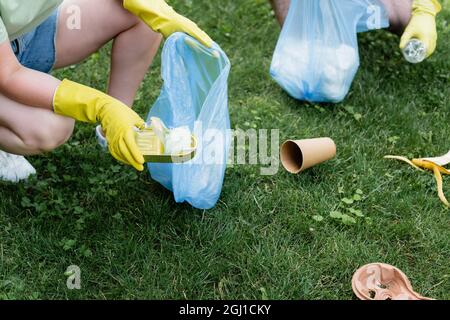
(101, 138)
(14, 168)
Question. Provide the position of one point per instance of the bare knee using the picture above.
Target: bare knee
(281, 8)
(149, 41)
(144, 41)
(49, 135)
(134, 32)
(149, 35)
(399, 12)
(127, 21)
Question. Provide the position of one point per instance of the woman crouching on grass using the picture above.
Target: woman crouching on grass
(37, 111)
(412, 19)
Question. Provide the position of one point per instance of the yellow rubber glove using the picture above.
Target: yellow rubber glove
(118, 120)
(159, 16)
(422, 25)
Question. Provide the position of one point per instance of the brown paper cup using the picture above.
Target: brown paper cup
(299, 155)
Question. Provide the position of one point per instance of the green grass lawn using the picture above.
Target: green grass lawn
(262, 240)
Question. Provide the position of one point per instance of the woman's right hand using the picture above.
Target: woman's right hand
(118, 121)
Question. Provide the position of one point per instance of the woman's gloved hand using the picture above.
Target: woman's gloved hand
(422, 25)
(118, 120)
(159, 16)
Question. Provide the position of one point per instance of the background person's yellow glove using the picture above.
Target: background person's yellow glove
(159, 16)
(118, 120)
(422, 25)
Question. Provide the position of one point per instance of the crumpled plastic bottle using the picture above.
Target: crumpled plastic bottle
(415, 51)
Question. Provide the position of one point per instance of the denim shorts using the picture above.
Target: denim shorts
(36, 49)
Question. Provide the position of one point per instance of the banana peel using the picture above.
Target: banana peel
(435, 165)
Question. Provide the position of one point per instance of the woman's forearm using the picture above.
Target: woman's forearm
(26, 86)
(31, 88)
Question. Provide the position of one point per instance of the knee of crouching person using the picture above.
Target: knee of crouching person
(50, 136)
(399, 14)
(65, 128)
(147, 35)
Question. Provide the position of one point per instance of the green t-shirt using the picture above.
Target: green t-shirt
(18, 17)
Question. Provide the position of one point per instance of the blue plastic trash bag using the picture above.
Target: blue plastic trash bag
(195, 94)
(317, 57)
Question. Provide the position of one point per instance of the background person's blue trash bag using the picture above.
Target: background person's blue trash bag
(195, 94)
(317, 56)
